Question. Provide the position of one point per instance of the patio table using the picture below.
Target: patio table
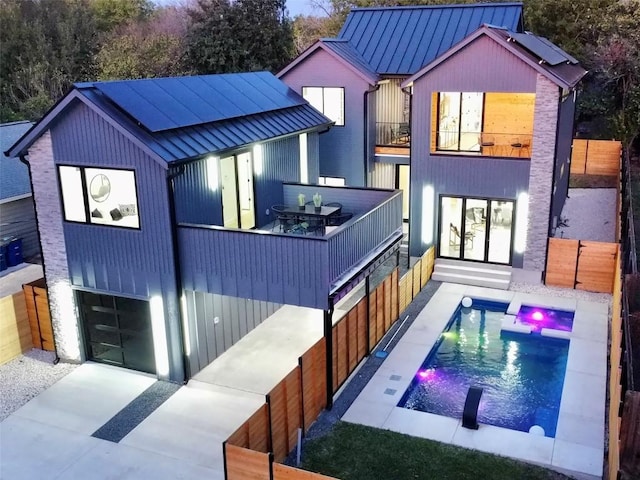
(310, 212)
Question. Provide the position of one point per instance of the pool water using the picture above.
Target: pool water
(539, 318)
(521, 375)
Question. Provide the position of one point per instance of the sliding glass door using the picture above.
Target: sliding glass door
(476, 229)
(237, 191)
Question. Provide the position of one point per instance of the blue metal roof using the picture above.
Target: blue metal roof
(167, 103)
(346, 51)
(14, 175)
(401, 40)
(193, 141)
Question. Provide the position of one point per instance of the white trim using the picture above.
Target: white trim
(16, 198)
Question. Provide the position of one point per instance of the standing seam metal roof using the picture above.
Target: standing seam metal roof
(401, 40)
(14, 175)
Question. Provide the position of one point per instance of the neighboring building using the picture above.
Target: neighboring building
(17, 214)
(154, 199)
(466, 113)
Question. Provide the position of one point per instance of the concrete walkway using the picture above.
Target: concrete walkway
(51, 436)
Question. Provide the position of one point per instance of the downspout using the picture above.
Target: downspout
(367, 132)
(409, 91)
(177, 266)
(553, 182)
(24, 160)
(328, 335)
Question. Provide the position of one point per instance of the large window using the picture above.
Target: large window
(460, 121)
(99, 196)
(328, 100)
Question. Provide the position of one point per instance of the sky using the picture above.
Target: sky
(296, 7)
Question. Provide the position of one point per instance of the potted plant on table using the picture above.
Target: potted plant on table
(317, 202)
(301, 203)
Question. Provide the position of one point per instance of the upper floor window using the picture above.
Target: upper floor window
(459, 121)
(332, 181)
(100, 196)
(328, 100)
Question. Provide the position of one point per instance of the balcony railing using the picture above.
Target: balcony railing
(393, 134)
(484, 143)
(284, 268)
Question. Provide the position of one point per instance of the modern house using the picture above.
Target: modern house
(468, 114)
(17, 214)
(160, 244)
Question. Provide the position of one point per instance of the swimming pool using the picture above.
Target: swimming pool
(522, 375)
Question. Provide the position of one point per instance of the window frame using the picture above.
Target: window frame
(85, 195)
(322, 88)
(458, 150)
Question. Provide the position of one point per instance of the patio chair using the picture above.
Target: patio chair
(519, 145)
(334, 204)
(283, 221)
(454, 237)
(487, 143)
(339, 219)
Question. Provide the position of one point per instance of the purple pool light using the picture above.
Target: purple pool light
(427, 374)
(539, 318)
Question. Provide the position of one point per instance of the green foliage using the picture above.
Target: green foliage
(244, 35)
(113, 13)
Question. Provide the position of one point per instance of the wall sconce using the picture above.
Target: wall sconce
(257, 159)
(428, 207)
(522, 221)
(159, 332)
(212, 173)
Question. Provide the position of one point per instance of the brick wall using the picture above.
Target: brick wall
(541, 173)
(54, 254)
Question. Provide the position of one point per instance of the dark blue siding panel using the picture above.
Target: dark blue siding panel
(281, 162)
(342, 150)
(83, 138)
(195, 201)
(274, 268)
(563, 154)
(313, 156)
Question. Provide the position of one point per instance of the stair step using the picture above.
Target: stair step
(473, 270)
(491, 266)
(465, 279)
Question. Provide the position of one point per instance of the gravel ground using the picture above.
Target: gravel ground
(589, 214)
(26, 377)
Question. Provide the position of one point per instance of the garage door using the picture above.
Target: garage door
(117, 331)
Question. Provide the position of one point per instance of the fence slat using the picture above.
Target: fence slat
(314, 382)
(362, 328)
(284, 472)
(579, 156)
(596, 266)
(562, 259)
(245, 464)
(603, 157)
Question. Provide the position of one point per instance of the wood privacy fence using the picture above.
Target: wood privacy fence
(257, 448)
(615, 376)
(37, 301)
(581, 264)
(595, 157)
(25, 321)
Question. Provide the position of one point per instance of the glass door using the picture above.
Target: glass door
(245, 191)
(229, 192)
(403, 184)
(476, 229)
(238, 209)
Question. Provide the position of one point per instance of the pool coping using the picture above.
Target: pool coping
(578, 447)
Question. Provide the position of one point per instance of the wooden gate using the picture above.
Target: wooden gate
(37, 300)
(582, 265)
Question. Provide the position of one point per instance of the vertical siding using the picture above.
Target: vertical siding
(195, 201)
(281, 163)
(121, 261)
(342, 150)
(111, 259)
(390, 102)
(275, 268)
(313, 156)
(487, 67)
(236, 317)
(563, 153)
(384, 176)
(18, 219)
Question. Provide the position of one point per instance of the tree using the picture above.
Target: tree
(245, 35)
(110, 14)
(153, 47)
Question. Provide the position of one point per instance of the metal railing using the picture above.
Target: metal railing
(491, 144)
(393, 134)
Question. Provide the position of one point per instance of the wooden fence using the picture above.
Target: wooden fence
(595, 157)
(15, 334)
(615, 378)
(582, 265)
(37, 301)
(256, 448)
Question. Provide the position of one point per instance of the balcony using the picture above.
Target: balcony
(291, 268)
(393, 138)
(487, 144)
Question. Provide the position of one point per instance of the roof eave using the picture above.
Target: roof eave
(371, 80)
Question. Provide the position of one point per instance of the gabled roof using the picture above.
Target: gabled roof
(401, 40)
(548, 59)
(177, 119)
(343, 52)
(14, 175)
